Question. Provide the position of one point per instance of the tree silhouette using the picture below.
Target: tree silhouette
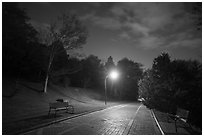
(71, 34)
(18, 45)
(131, 73)
(91, 70)
(172, 84)
(194, 9)
(17, 34)
(109, 65)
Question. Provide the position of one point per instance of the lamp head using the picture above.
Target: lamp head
(113, 74)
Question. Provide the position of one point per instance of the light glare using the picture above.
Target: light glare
(114, 75)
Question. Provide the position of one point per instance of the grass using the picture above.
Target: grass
(28, 107)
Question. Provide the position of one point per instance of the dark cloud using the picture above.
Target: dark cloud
(136, 30)
(152, 24)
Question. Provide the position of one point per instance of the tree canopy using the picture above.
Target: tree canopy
(174, 83)
(17, 38)
(131, 73)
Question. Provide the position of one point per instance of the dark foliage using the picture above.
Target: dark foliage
(69, 35)
(91, 73)
(195, 10)
(18, 41)
(110, 85)
(131, 73)
(109, 65)
(172, 84)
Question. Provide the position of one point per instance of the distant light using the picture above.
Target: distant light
(113, 74)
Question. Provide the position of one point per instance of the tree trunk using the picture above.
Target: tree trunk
(48, 69)
(46, 82)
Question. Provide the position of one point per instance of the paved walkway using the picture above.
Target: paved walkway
(122, 119)
(144, 123)
(42, 118)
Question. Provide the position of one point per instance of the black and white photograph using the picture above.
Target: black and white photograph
(101, 68)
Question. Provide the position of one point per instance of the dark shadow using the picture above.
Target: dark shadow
(28, 124)
(29, 87)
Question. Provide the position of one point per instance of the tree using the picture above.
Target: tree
(146, 87)
(70, 34)
(21, 51)
(91, 75)
(156, 87)
(163, 81)
(17, 35)
(130, 74)
(109, 64)
(194, 9)
(160, 65)
(174, 83)
(91, 71)
(188, 88)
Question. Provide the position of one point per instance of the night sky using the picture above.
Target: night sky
(138, 31)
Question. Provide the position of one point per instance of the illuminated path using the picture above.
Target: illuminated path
(123, 119)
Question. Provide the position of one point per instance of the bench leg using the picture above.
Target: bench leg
(66, 109)
(49, 112)
(55, 112)
(191, 128)
(73, 110)
(176, 125)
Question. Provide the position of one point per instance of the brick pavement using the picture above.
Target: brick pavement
(112, 121)
(144, 124)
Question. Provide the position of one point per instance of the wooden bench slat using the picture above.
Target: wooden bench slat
(181, 114)
(60, 106)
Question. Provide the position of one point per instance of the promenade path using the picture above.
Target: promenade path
(124, 119)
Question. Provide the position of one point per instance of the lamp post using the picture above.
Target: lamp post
(113, 75)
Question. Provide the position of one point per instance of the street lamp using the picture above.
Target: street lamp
(112, 75)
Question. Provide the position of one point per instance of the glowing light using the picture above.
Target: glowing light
(114, 74)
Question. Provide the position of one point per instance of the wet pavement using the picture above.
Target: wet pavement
(123, 119)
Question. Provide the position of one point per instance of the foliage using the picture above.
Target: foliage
(91, 74)
(91, 70)
(16, 28)
(109, 65)
(18, 38)
(130, 74)
(35, 54)
(171, 84)
(70, 33)
(194, 9)
(68, 30)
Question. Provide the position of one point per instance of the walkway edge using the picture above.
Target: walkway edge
(160, 129)
(62, 119)
(127, 130)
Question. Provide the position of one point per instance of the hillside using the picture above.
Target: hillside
(28, 102)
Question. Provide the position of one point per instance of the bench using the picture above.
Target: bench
(181, 114)
(61, 106)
